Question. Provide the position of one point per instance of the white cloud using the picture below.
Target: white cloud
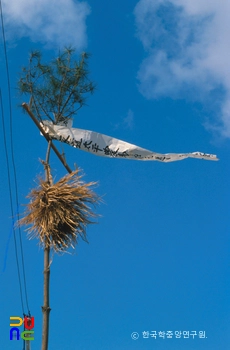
(53, 22)
(188, 50)
(127, 122)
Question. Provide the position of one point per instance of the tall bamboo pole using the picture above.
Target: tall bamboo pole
(46, 303)
(46, 306)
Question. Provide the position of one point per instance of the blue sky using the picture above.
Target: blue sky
(158, 259)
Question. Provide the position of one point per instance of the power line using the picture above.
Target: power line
(14, 167)
(11, 197)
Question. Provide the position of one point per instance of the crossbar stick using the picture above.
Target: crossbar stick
(27, 109)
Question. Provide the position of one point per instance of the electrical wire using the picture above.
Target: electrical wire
(11, 198)
(14, 170)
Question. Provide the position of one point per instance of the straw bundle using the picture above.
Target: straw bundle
(58, 214)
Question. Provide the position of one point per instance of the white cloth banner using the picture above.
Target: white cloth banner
(106, 146)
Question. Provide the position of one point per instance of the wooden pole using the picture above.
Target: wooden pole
(27, 343)
(46, 287)
(46, 304)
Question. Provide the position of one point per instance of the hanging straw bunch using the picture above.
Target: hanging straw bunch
(58, 214)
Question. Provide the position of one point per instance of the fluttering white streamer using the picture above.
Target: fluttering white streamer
(106, 146)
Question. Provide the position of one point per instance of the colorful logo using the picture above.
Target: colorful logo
(27, 334)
